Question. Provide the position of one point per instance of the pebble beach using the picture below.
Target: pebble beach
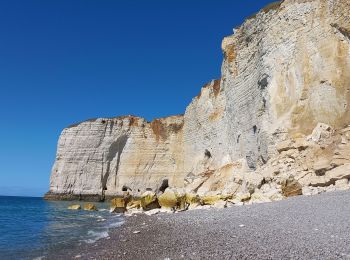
(304, 227)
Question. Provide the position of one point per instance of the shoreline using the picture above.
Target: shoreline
(301, 227)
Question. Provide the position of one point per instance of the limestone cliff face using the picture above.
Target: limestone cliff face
(285, 69)
(100, 157)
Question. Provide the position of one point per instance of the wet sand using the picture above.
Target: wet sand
(316, 227)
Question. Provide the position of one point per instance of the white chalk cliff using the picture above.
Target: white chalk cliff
(273, 125)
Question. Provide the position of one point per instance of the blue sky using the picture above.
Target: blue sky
(65, 61)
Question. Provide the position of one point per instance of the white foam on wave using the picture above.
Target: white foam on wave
(39, 258)
(94, 236)
(116, 224)
(113, 222)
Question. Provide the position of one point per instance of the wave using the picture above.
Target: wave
(94, 236)
(115, 224)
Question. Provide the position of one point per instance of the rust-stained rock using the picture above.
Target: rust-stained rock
(291, 188)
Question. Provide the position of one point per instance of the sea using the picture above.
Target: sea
(32, 228)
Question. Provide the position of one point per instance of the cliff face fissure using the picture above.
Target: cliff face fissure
(115, 151)
(285, 77)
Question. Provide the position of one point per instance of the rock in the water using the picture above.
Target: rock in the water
(74, 207)
(90, 206)
(291, 187)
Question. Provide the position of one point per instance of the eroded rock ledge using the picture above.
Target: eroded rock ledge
(275, 124)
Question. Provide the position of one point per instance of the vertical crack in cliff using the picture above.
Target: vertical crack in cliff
(115, 150)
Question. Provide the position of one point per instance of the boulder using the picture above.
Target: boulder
(118, 205)
(321, 166)
(90, 206)
(168, 200)
(134, 203)
(301, 144)
(342, 184)
(253, 181)
(339, 160)
(240, 198)
(149, 201)
(258, 197)
(220, 204)
(181, 201)
(249, 181)
(74, 207)
(210, 199)
(291, 187)
(341, 172)
(243, 197)
(284, 146)
(320, 181)
(193, 200)
(321, 132)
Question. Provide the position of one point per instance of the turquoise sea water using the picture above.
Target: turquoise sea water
(33, 228)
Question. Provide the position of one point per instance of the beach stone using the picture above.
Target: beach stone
(90, 207)
(74, 207)
(291, 187)
(149, 200)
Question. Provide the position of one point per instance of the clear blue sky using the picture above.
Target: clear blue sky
(64, 61)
